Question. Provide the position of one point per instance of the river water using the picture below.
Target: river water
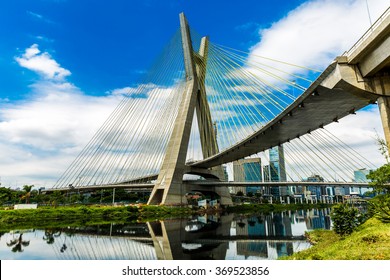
(217, 237)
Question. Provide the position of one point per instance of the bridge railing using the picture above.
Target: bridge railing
(368, 32)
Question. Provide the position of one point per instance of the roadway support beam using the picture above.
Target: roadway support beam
(382, 87)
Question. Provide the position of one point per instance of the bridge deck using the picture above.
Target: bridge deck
(315, 108)
(148, 186)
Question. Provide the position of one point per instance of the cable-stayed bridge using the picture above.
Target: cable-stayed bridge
(203, 105)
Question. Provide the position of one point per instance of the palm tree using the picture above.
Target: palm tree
(50, 234)
(27, 189)
(18, 244)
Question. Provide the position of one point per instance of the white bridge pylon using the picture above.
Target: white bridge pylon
(170, 188)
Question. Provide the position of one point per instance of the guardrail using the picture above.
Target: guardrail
(369, 31)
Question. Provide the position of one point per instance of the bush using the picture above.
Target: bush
(346, 218)
(379, 207)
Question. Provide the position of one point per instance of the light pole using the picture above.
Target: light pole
(368, 11)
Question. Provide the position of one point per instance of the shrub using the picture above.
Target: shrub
(379, 207)
(346, 218)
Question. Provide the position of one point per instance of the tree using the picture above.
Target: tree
(50, 235)
(383, 148)
(380, 179)
(380, 205)
(240, 193)
(345, 219)
(27, 189)
(56, 198)
(18, 244)
(5, 195)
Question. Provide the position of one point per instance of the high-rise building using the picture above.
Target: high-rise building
(247, 170)
(225, 173)
(360, 177)
(266, 173)
(277, 170)
(316, 190)
(340, 191)
(267, 178)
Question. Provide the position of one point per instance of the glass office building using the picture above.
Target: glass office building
(247, 170)
(277, 170)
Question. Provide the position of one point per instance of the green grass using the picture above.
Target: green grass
(83, 215)
(42, 217)
(370, 241)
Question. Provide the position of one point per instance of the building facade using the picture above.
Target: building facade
(247, 170)
(360, 177)
(276, 171)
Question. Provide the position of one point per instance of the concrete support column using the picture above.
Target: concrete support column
(168, 188)
(382, 87)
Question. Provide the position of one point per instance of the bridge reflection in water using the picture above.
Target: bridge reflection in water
(216, 237)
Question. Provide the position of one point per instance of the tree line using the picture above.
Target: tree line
(27, 194)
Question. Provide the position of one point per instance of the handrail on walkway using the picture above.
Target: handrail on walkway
(385, 14)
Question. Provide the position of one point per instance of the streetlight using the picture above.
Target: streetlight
(368, 11)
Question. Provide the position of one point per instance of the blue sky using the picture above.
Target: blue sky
(107, 44)
(62, 61)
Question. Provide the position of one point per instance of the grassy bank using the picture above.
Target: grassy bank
(371, 241)
(88, 215)
(84, 215)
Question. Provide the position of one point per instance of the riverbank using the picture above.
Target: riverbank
(85, 215)
(89, 215)
(370, 241)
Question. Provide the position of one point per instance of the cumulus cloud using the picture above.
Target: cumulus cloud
(59, 116)
(314, 33)
(40, 136)
(42, 63)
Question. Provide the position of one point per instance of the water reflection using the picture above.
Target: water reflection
(18, 243)
(216, 237)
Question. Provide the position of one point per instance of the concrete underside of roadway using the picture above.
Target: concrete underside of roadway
(318, 107)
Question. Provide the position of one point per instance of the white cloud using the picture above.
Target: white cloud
(133, 91)
(122, 91)
(48, 121)
(42, 63)
(39, 17)
(35, 15)
(314, 33)
(42, 135)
